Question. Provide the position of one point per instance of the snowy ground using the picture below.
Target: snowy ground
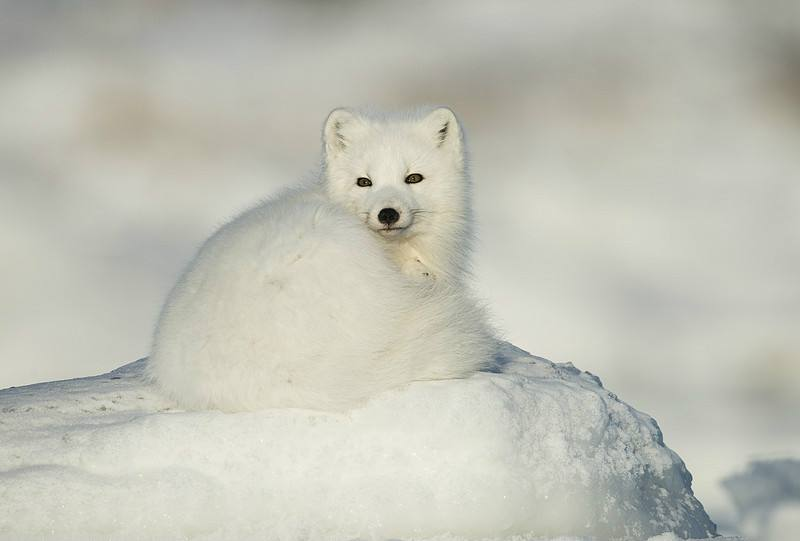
(530, 451)
(635, 165)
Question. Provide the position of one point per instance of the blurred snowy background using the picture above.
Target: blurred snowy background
(637, 171)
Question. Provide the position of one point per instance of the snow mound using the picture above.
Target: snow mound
(531, 450)
(767, 498)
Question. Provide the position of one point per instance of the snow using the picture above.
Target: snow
(767, 499)
(635, 168)
(530, 450)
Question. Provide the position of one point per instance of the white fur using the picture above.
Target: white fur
(436, 211)
(307, 301)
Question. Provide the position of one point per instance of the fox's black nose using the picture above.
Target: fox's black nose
(388, 216)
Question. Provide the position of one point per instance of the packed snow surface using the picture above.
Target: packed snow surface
(531, 450)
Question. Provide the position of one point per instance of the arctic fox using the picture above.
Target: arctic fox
(331, 293)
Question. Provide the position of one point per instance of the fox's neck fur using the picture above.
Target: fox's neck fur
(444, 249)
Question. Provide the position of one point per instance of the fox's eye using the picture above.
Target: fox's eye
(363, 182)
(413, 178)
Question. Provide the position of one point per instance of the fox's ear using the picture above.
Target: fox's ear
(340, 129)
(442, 125)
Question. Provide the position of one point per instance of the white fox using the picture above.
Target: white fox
(331, 293)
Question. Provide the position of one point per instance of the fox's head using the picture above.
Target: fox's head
(402, 176)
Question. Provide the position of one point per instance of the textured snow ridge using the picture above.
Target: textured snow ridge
(529, 451)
